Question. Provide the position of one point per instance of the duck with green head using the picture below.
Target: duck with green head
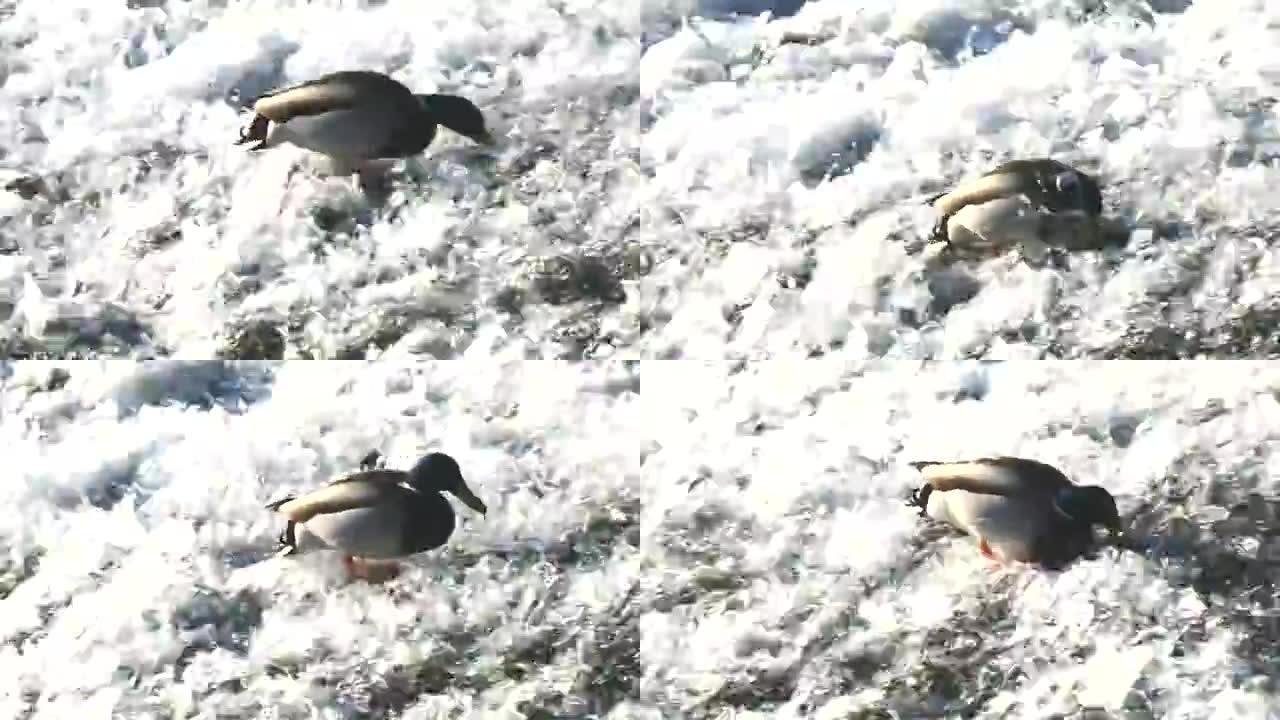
(357, 117)
(377, 514)
(1028, 202)
(1018, 509)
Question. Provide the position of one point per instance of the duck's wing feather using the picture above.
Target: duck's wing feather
(1007, 178)
(358, 490)
(375, 531)
(992, 476)
(335, 91)
(983, 189)
(411, 524)
(363, 131)
(377, 476)
(1039, 175)
(307, 98)
(1030, 166)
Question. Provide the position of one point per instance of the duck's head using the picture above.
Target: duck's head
(1077, 190)
(437, 471)
(1089, 504)
(459, 115)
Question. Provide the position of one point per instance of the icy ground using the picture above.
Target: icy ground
(679, 178)
(785, 579)
(790, 158)
(136, 578)
(131, 225)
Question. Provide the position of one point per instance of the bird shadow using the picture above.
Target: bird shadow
(462, 173)
(950, 286)
(836, 152)
(1232, 563)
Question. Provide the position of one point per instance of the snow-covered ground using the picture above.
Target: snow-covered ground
(791, 158)
(666, 539)
(136, 573)
(131, 224)
(678, 178)
(784, 578)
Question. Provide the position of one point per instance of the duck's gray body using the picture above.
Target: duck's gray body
(383, 135)
(371, 514)
(1033, 203)
(378, 513)
(1015, 506)
(358, 116)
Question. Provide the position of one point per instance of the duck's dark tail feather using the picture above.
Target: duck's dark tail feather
(919, 498)
(288, 537)
(255, 132)
(288, 541)
(275, 504)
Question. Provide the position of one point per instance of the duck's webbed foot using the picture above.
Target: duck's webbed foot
(373, 571)
(984, 548)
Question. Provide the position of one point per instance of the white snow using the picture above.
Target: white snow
(892, 102)
(727, 178)
(128, 111)
(137, 578)
(692, 180)
(790, 580)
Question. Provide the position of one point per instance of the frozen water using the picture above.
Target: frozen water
(693, 179)
(808, 140)
(785, 578)
(137, 578)
(678, 178)
(130, 223)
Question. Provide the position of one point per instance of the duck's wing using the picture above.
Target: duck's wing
(992, 476)
(358, 490)
(412, 523)
(1040, 184)
(375, 531)
(1013, 176)
(1030, 166)
(988, 187)
(335, 91)
(311, 97)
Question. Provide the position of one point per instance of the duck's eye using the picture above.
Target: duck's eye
(1067, 182)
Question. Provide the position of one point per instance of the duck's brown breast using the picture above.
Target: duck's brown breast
(429, 521)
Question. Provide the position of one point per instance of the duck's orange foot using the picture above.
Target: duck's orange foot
(376, 572)
(985, 549)
(370, 571)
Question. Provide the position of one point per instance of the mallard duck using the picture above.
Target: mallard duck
(1018, 509)
(377, 513)
(1037, 201)
(359, 116)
